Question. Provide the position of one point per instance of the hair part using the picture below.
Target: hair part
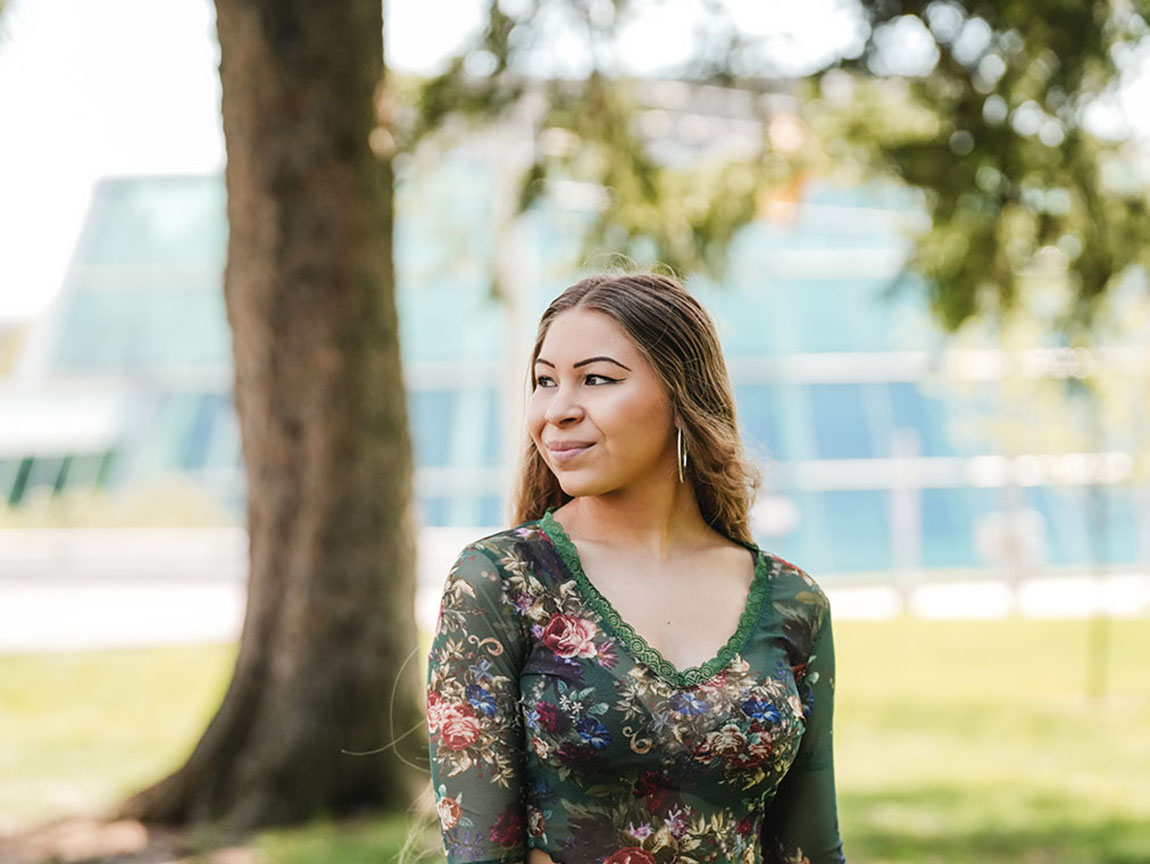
(678, 338)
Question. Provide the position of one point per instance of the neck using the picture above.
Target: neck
(655, 520)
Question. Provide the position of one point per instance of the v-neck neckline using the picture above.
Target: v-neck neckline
(638, 646)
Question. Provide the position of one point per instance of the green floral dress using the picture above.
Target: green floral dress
(554, 725)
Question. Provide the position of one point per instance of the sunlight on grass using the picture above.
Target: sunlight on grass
(976, 741)
(346, 842)
(80, 730)
(955, 742)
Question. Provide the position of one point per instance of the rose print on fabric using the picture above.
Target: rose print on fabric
(569, 636)
(630, 855)
(449, 812)
(460, 727)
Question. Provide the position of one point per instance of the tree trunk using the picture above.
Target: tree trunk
(319, 394)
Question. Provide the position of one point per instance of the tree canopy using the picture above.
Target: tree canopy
(990, 108)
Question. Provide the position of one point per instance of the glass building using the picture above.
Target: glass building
(872, 430)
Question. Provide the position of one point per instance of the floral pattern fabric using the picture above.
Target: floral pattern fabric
(554, 725)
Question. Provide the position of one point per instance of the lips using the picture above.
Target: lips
(567, 450)
(568, 445)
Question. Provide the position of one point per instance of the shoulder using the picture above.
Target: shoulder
(486, 579)
(503, 556)
(502, 548)
(797, 596)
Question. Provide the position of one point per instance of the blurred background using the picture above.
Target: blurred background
(920, 228)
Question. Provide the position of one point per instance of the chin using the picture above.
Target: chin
(579, 487)
(572, 484)
(574, 488)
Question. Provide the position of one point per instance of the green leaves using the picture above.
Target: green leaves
(1017, 180)
(994, 128)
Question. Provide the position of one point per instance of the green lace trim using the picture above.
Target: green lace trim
(636, 644)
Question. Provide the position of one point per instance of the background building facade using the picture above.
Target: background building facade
(875, 430)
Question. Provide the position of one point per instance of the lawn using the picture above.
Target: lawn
(978, 742)
(956, 742)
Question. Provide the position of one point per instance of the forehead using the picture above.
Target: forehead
(586, 332)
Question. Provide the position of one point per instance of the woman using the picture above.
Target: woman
(625, 677)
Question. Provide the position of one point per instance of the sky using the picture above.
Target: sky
(131, 87)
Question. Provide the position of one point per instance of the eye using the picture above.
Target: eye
(545, 380)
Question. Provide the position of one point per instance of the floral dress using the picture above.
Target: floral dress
(554, 725)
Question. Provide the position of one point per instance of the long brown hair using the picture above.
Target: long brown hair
(678, 338)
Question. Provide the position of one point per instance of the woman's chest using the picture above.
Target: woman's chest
(686, 613)
(592, 720)
(595, 710)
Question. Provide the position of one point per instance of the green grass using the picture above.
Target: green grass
(955, 742)
(978, 742)
(78, 730)
(326, 842)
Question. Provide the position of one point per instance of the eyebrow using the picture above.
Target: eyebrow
(584, 362)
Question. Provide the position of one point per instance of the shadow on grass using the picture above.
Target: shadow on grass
(990, 825)
(919, 826)
(95, 840)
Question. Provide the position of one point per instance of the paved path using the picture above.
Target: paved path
(85, 589)
(72, 615)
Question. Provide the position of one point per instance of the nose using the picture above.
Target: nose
(562, 406)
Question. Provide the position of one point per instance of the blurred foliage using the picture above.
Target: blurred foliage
(1016, 183)
(1051, 401)
(991, 124)
(590, 129)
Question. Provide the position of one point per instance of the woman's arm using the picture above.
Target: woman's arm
(801, 823)
(475, 728)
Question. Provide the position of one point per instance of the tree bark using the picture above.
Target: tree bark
(309, 287)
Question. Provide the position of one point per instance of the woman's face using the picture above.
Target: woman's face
(596, 395)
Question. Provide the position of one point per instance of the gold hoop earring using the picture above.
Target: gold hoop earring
(681, 452)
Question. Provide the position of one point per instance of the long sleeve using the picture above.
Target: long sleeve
(801, 823)
(475, 728)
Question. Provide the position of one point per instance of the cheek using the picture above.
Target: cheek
(533, 418)
(648, 415)
(636, 428)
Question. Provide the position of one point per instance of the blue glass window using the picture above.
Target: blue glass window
(211, 405)
(492, 440)
(924, 414)
(432, 415)
(19, 481)
(224, 450)
(44, 472)
(142, 328)
(757, 409)
(858, 526)
(1085, 525)
(949, 521)
(173, 220)
(9, 471)
(84, 470)
(840, 421)
(1063, 514)
(435, 510)
(491, 511)
(839, 531)
(850, 314)
(168, 446)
